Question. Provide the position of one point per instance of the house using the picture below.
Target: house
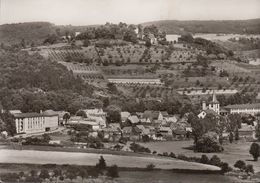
(171, 119)
(92, 125)
(152, 116)
(133, 119)
(95, 113)
(124, 116)
(204, 113)
(251, 109)
(179, 133)
(131, 133)
(98, 115)
(31, 123)
(165, 131)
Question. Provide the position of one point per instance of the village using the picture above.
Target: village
(120, 102)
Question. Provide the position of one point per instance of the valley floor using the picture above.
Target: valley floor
(232, 152)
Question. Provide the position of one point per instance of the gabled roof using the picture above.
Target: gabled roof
(124, 115)
(133, 119)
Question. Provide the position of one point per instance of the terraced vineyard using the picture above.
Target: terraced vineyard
(64, 55)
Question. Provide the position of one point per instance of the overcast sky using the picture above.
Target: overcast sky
(85, 12)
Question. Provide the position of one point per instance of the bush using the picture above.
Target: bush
(240, 164)
(249, 169)
(215, 160)
(204, 159)
(113, 171)
(208, 144)
(255, 151)
(138, 148)
(224, 167)
(172, 155)
(150, 167)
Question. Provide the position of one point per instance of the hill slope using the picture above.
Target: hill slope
(228, 26)
(31, 32)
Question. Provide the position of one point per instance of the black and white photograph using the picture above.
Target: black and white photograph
(129, 91)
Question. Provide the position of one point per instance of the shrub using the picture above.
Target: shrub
(215, 160)
(154, 152)
(204, 159)
(165, 154)
(150, 167)
(249, 169)
(112, 171)
(255, 151)
(138, 148)
(183, 157)
(172, 155)
(240, 164)
(224, 167)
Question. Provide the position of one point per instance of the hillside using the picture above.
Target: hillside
(229, 26)
(31, 83)
(31, 32)
(35, 32)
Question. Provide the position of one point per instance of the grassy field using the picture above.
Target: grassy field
(90, 159)
(232, 152)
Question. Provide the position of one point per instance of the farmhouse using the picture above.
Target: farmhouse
(30, 123)
(252, 109)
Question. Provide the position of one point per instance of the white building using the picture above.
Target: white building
(252, 109)
(31, 123)
(135, 81)
(98, 115)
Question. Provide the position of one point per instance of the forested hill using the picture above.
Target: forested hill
(34, 32)
(31, 83)
(31, 32)
(229, 26)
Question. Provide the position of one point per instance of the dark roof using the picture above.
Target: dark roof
(30, 115)
(244, 106)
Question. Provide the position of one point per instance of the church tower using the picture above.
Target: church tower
(214, 104)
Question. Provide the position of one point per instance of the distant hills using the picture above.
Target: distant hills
(36, 32)
(212, 26)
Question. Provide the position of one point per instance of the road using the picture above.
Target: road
(50, 157)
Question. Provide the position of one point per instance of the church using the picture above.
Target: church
(213, 107)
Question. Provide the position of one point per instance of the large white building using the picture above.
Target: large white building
(155, 81)
(32, 123)
(252, 109)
